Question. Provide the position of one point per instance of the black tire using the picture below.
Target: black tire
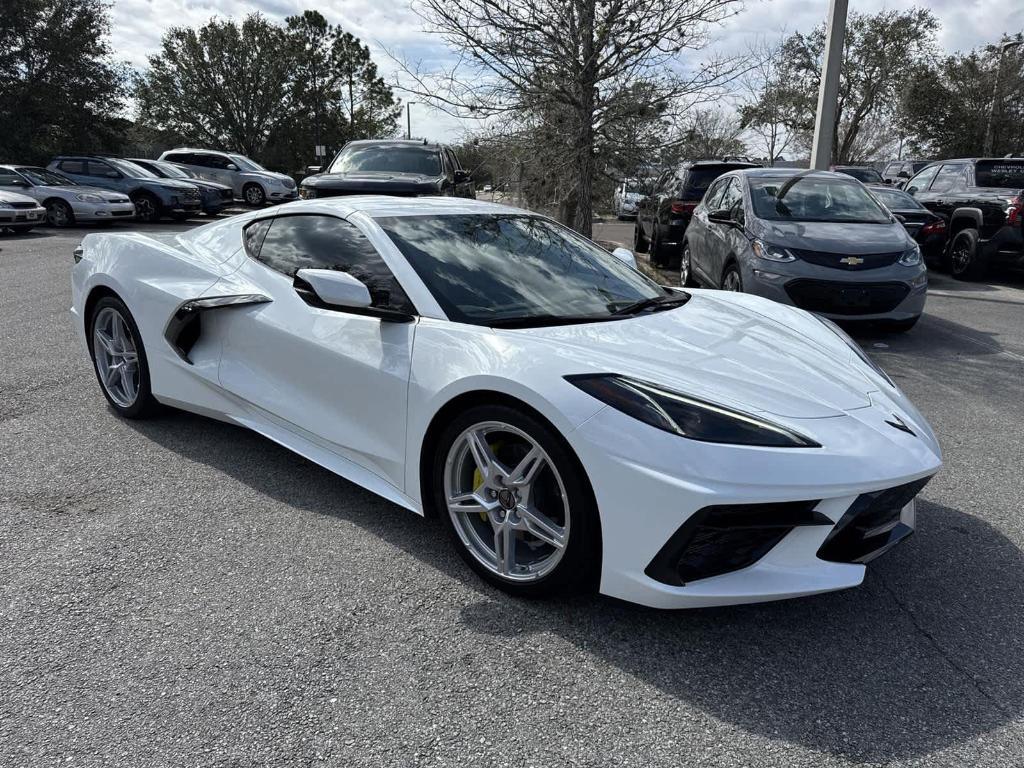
(254, 195)
(640, 244)
(732, 277)
(686, 263)
(964, 260)
(147, 207)
(900, 326)
(145, 404)
(579, 568)
(59, 214)
(657, 251)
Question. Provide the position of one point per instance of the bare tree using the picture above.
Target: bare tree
(765, 110)
(571, 67)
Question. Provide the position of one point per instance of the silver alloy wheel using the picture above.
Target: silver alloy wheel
(496, 506)
(684, 266)
(732, 281)
(57, 214)
(253, 195)
(116, 357)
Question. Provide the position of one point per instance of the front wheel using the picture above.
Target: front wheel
(59, 214)
(147, 208)
(254, 194)
(119, 359)
(732, 280)
(516, 503)
(685, 269)
(640, 244)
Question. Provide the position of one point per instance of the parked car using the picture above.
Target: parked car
(628, 195)
(927, 228)
(391, 167)
(488, 188)
(897, 172)
(249, 181)
(862, 173)
(663, 216)
(214, 197)
(982, 201)
(19, 212)
(813, 239)
(153, 197)
(66, 201)
(574, 425)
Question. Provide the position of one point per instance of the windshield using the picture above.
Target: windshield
(494, 269)
(1008, 174)
(394, 158)
(814, 198)
(131, 169)
(45, 178)
(11, 179)
(245, 164)
(867, 175)
(895, 200)
(171, 170)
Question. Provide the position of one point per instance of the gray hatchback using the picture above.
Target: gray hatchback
(813, 239)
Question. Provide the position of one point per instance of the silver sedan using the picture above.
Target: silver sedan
(65, 201)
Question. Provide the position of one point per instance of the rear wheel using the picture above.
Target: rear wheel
(254, 194)
(516, 503)
(732, 280)
(59, 213)
(964, 260)
(685, 270)
(119, 359)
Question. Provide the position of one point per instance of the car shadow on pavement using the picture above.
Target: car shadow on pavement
(927, 654)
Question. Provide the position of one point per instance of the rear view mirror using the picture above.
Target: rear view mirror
(625, 256)
(337, 289)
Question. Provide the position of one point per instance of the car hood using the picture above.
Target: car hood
(203, 184)
(736, 350)
(834, 237)
(106, 194)
(15, 197)
(373, 182)
(170, 183)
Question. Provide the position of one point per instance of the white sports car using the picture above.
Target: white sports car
(573, 423)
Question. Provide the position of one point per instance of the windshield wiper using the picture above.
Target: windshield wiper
(658, 303)
(538, 321)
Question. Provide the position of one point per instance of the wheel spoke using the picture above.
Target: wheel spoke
(466, 503)
(117, 332)
(105, 341)
(112, 373)
(505, 548)
(483, 456)
(127, 381)
(527, 469)
(541, 526)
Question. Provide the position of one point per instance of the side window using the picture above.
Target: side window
(325, 242)
(200, 159)
(253, 235)
(72, 166)
(923, 179)
(713, 196)
(98, 168)
(947, 178)
(217, 162)
(732, 196)
(453, 159)
(180, 157)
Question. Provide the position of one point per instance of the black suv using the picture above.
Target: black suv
(391, 167)
(982, 201)
(663, 216)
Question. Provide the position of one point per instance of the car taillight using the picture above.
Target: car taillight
(933, 226)
(678, 207)
(1015, 213)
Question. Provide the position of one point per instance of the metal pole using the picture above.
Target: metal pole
(828, 93)
(408, 120)
(1004, 46)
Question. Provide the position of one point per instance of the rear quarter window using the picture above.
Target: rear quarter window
(72, 166)
(699, 178)
(1007, 174)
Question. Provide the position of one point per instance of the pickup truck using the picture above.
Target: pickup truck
(982, 201)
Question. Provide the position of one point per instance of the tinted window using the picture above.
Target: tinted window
(867, 175)
(253, 236)
(324, 242)
(98, 168)
(947, 178)
(699, 178)
(814, 198)
(732, 196)
(1008, 174)
(714, 195)
(923, 179)
(488, 268)
(72, 166)
(180, 157)
(217, 162)
(388, 157)
(895, 199)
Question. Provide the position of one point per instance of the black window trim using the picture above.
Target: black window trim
(309, 296)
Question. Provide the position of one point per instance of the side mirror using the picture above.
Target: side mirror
(911, 190)
(231, 167)
(625, 256)
(339, 289)
(462, 176)
(722, 216)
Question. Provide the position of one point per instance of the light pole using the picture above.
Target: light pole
(1004, 46)
(408, 118)
(828, 92)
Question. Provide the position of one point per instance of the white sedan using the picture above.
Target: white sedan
(574, 424)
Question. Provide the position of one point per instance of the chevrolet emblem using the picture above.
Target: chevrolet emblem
(853, 261)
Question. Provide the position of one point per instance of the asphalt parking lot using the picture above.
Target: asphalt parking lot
(181, 592)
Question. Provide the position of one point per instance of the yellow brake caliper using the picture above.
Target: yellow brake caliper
(478, 478)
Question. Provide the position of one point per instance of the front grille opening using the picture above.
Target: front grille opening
(725, 538)
(871, 525)
(852, 298)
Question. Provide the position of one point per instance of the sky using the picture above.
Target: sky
(392, 26)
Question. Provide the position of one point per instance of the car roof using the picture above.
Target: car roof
(393, 143)
(201, 149)
(391, 205)
(785, 173)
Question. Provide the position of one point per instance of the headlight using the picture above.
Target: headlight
(87, 198)
(856, 348)
(5, 205)
(307, 193)
(911, 257)
(771, 252)
(686, 416)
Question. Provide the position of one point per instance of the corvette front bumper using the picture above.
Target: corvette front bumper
(652, 489)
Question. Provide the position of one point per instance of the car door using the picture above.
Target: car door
(101, 174)
(697, 234)
(939, 197)
(918, 185)
(719, 246)
(326, 374)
